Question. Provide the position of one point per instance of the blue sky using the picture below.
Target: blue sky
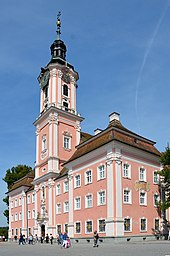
(121, 50)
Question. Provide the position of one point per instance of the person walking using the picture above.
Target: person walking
(95, 239)
(51, 238)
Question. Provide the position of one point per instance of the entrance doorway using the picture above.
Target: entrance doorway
(42, 230)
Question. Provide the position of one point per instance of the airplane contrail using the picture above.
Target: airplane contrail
(147, 51)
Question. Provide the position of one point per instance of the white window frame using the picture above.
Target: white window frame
(66, 186)
(101, 219)
(101, 172)
(127, 199)
(142, 176)
(88, 199)
(145, 197)
(33, 198)
(28, 199)
(12, 204)
(33, 214)
(16, 203)
(58, 189)
(86, 231)
(66, 206)
(20, 215)
(101, 195)
(77, 205)
(12, 217)
(44, 142)
(29, 215)
(80, 227)
(16, 216)
(66, 142)
(88, 177)
(156, 200)
(128, 218)
(127, 170)
(145, 225)
(156, 219)
(77, 182)
(58, 208)
(155, 177)
(20, 201)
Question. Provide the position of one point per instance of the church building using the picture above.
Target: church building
(81, 183)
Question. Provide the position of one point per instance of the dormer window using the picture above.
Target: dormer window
(65, 90)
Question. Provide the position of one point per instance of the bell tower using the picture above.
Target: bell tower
(58, 124)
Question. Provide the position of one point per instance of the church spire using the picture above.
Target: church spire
(58, 48)
(58, 25)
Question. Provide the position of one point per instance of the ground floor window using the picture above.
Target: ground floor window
(157, 224)
(89, 226)
(58, 229)
(78, 227)
(66, 228)
(12, 231)
(16, 231)
(127, 224)
(143, 225)
(102, 225)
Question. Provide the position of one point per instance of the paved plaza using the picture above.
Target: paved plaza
(148, 248)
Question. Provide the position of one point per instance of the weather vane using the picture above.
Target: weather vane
(58, 25)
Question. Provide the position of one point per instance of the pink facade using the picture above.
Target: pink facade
(106, 182)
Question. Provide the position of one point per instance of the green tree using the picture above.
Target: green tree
(12, 175)
(165, 177)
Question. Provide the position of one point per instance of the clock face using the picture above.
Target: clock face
(44, 80)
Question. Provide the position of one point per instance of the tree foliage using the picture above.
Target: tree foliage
(12, 175)
(165, 177)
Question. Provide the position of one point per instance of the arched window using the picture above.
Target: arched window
(65, 90)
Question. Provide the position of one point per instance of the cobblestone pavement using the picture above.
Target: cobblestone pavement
(148, 248)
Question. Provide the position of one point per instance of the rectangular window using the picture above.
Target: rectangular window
(66, 228)
(20, 216)
(20, 201)
(28, 199)
(58, 229)
(101, 197)
(78, 227)
(142, 174)
(89, 227)
(155, 177)
(77, 203)
(66, 186)
(58, 189)
(66, 142)
(33, 214)
(77, 181)
(156, 199)
(16, 202)
(142, 198)
(143, 225)
(127, 196)
(12, 232)
(157, 228)
(29, 215)
(16, 216)
(16, 231)
(33, 198)
(44, 142)
(66, 206)
(12, 204)
(102, 225)
(58, 208)
(12, 217)
(89, 201)
(101, 172)
(88, 177)
(126, 171)
(127, 224)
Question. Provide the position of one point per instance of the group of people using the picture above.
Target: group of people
(62, 239)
